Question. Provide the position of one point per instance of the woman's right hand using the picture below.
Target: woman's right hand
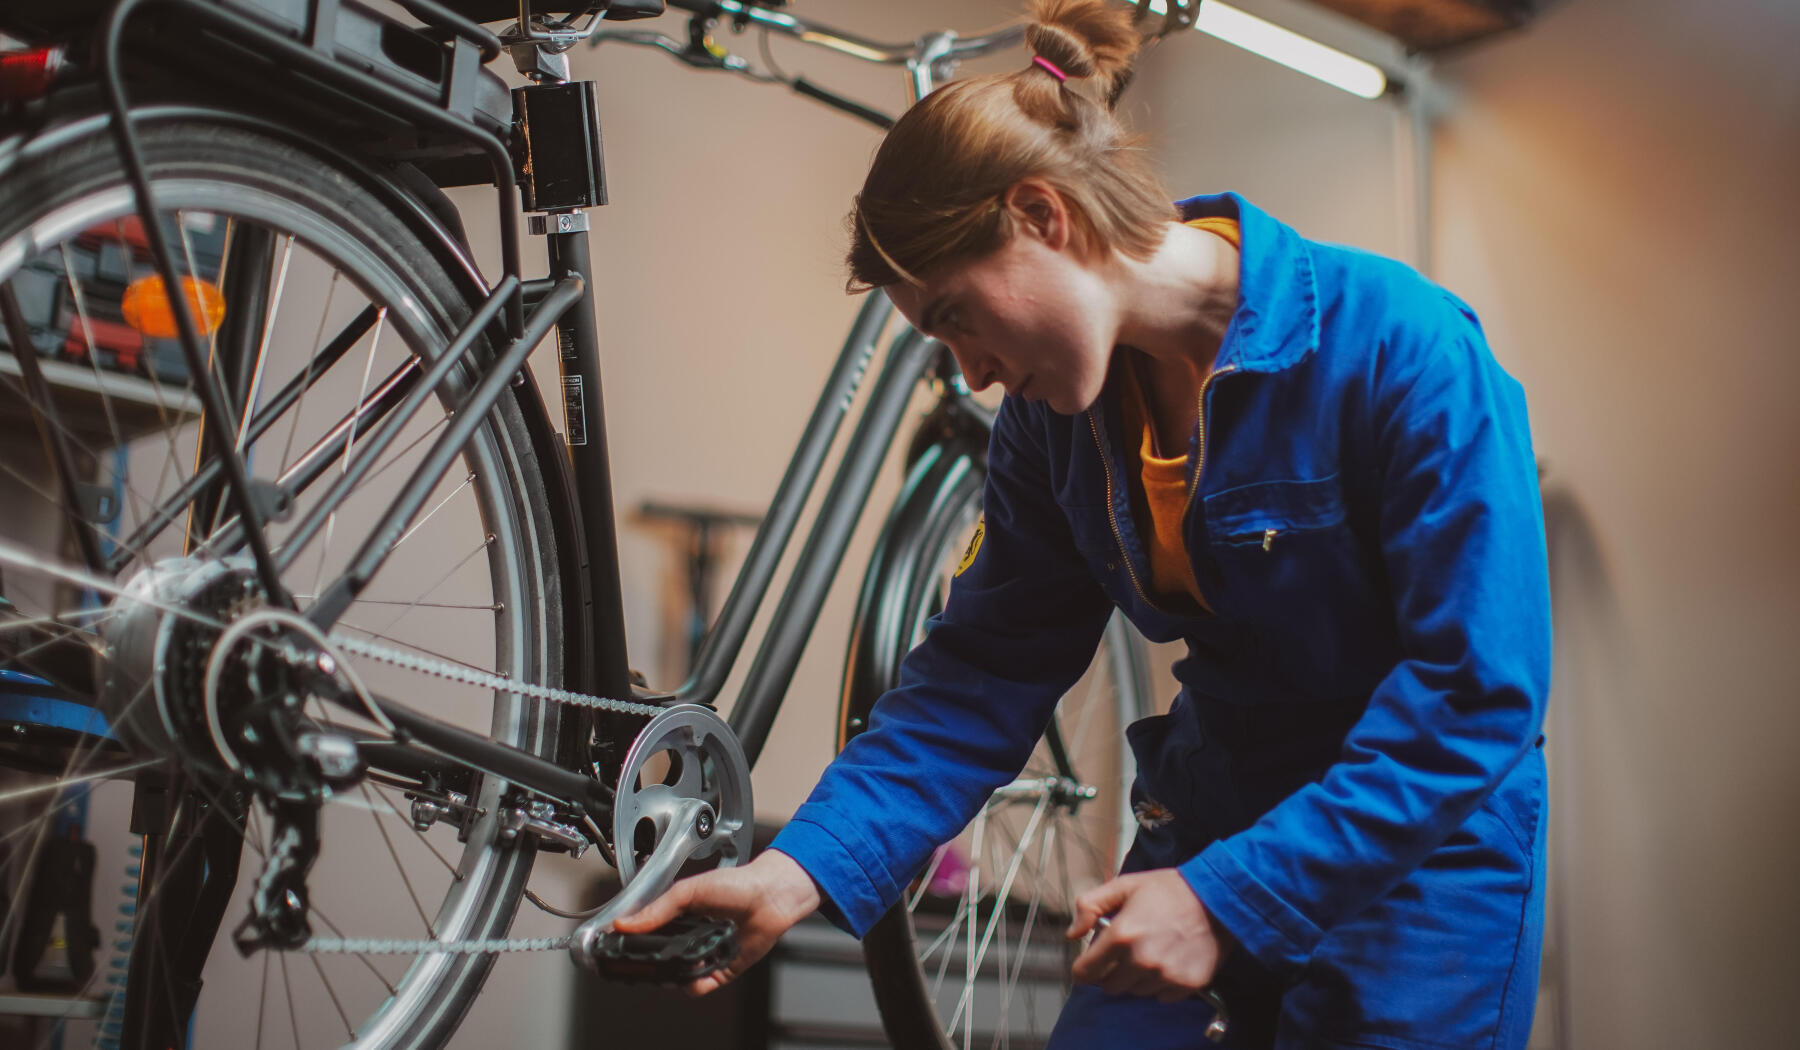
(764, 898)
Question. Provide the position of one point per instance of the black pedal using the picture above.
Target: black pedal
(687, 948)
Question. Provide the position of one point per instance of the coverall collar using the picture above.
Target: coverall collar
(1277, 318)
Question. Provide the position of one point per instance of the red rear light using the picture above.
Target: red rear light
(27, 74)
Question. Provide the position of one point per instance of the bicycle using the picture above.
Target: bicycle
(201, 657)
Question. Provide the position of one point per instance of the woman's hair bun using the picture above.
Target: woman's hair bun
(1085, 39)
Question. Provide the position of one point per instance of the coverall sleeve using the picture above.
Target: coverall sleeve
(1462, 542)
(1021, 624)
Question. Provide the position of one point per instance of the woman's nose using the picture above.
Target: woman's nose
(978, 374)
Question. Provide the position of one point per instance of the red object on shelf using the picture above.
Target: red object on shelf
(28, 74)
(127, 231)
(124, 342)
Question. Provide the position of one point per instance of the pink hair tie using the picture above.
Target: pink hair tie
(1050, 67)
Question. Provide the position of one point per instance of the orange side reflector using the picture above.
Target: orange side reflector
(147, 308)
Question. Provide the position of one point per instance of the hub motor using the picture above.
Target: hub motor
(154, 691)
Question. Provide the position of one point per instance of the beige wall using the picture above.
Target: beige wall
(1615, 192)
(1617, 195)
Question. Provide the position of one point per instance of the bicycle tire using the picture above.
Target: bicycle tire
(200, 168)
(920, 547)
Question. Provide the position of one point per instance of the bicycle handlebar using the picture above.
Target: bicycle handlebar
(849, 43)
(927, 59)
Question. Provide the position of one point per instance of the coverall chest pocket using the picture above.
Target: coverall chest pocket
(1285, 556)
(1259, 515)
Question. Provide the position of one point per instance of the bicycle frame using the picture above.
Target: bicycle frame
(521, 313)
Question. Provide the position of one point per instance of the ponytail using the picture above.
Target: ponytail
(934, 191)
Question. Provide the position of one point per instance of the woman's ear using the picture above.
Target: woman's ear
(1038, 210)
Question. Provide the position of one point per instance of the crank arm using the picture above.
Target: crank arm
(691, 823)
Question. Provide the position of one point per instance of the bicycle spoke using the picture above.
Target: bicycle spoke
(420, 835)
(23, 656)
(465, 606)
(316, 462)
(399, 865)
(288, 401)
(57, 618)
(486, 542)
(339, 933)
(349, 450)
(262, 350)
(165, 427)
(400, 456)
(15, 794)
(135, 499)
(1000, 896)
(293, 1014)
(947, 940)
(262, 1000)
(349, 1029)
(311, 361)
(446, 657)
(466, 482)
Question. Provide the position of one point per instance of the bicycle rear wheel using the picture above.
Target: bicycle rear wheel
(973, 954)
(332, 304)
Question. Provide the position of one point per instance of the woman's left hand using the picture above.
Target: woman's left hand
(1161, 941)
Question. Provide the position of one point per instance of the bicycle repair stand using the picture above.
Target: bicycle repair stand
(700, 528)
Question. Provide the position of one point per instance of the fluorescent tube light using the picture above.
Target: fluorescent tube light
(1287, 47)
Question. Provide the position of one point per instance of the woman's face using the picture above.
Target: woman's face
(1033, 316)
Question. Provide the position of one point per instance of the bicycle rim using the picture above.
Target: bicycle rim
(471, 581)
(973, 955)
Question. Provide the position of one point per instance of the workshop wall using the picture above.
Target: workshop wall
(1617, 197)
(1614, 194)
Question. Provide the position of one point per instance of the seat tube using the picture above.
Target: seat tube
(578, 356)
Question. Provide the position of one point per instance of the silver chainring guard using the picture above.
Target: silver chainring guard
(712, 769)
(705, 812)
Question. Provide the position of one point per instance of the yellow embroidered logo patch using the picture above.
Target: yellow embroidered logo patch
(974, 546)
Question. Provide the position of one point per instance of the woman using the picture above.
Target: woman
(1298, 458)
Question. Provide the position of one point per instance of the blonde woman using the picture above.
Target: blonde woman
(1299, 459)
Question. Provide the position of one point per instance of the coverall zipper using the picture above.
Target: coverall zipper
(1112, 514)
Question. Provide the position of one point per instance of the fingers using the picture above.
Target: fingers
(712, 982)
(1098, 959)
(1103, 899)
(659, 911)
(1128, 977)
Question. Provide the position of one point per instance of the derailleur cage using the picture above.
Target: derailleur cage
(278, 904)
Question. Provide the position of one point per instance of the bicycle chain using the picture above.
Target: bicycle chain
(486, 680)
(480, 946)
(482, 680)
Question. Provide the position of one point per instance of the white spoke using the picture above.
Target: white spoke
(433, 512)
(312, 359)
(262, 351)
(349, 444)
(104, 774)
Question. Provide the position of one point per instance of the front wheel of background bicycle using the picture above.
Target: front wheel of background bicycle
(953, 964)
(473, 581)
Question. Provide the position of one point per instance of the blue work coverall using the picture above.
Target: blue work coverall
(1354, 760)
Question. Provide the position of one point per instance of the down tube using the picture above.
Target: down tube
(779, 655)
